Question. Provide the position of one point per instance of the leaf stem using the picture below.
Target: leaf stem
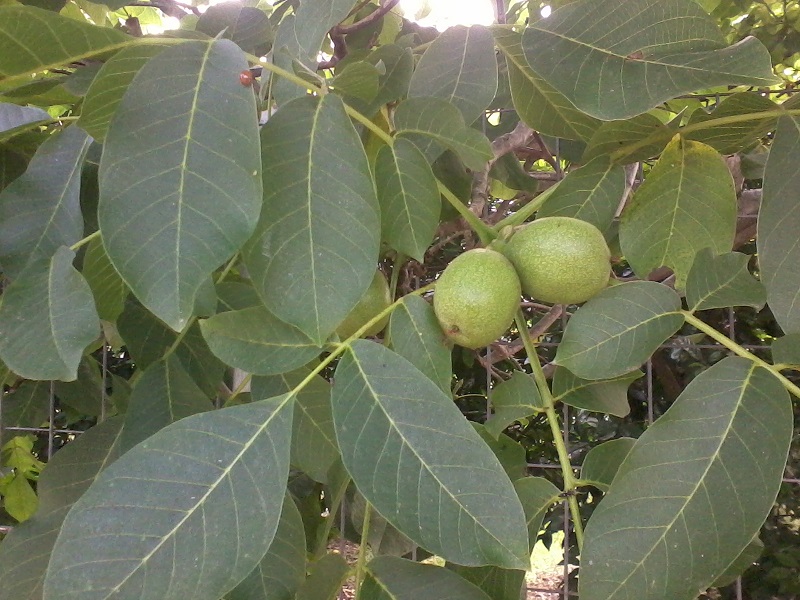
(519, 217)
(723, 340)
(86, 240)
(362, 550)
(570, 481)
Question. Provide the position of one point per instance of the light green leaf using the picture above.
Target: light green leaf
(538, 103)
(512, 400)
(53, 306)
(786, 349)
(283, 568)
(19, 499)
(708, 469)
(40, 210)
(423, 467)
(687, 203)
(314, 447)
(734, 137)
(392, 578)
(325, 579)
(496, 583)
(537, 495)
(617, 330)
(107, 287)
(602, 462)
(182, 194)
(34, 40)
(25, 552)
(591, 193)
(317, 241)
(415, 334)
(409, 198)
(108, 87)
(254, 340)
(426, 118)
(615, 60)
(778, 224)
(510, 453)
(203, 494)
(618, 136)
(459, 67)
(722, 281)
(163, 393)
(601, 395)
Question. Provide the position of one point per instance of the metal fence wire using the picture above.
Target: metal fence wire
(565, 588)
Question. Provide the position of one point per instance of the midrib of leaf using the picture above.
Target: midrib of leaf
(461, 66)
(711, 460)
(681, 178)
(721, 285)
(225, 472)
(50, 314)
(375, 395)
(309, 192)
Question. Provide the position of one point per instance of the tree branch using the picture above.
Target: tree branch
(371, 18)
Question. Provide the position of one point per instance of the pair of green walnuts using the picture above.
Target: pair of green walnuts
(558, 260)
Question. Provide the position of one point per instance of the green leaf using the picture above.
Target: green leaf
(40, 210)
(383, 538)
(181, 195)
(538, 103)
(398, 63)
(616, 331)
(786, 349)
(512, 400)
(85, 394)
(409, 198)
(314, 448)
(25, 551)
(236, 295)
(744, 561)
(53, 306)
(591, 193)
(687, 203)
(496, 583)
(424, 119)
(27, 405)
(246, 26)
(283, 568)
(508, 170)
(708, 469)
(423, 467)
(778, 224)
(163, 393)
(186, 495)
(19, 499)
(254, 340)
(415, 334)
(392, 578)
(602, 462)
(34, 40)
(358, 79)
(317, 240)
(602, 395)
(325, 579)
(109, 85)
(12, 164)
(510, 453)
(459, 67)
(722, 281)
(107, 287)
(734, 137)
(537, 495)
(615, 60)
(16, 119)
(627, 136)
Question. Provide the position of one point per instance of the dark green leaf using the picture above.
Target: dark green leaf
(54, 307)
(409, 198)
(626, 138)
(393, 84)
(687, 203)
(283, 568)
(614, 59)
(254, 340)
(744, 561)
(510, 453)
(512, 400)
(508, 171)
(314, 448)
(778, 224)
(392, 578)
(162, 394)
(591, 193)
(40, 210)
(423, 467)
(181, 194)
(537, 495)
(496, 583)
(708, 469)
(617, 330)
(735, 137)
(383, 538)
(602, 462)
(85, 394)
(236, 295)
(786, 349)
(107, 286)
(600, 395)
(27, 406)
(317, 240)
(325, 579)
(415, 334)
(15, 119)
(358, 79)
(203, 494)
(538, 103)
(247, 26)
(459, 67)
(722, 281)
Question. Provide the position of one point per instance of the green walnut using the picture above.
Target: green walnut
(476, 297)
(375, 299)
(560, 260)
